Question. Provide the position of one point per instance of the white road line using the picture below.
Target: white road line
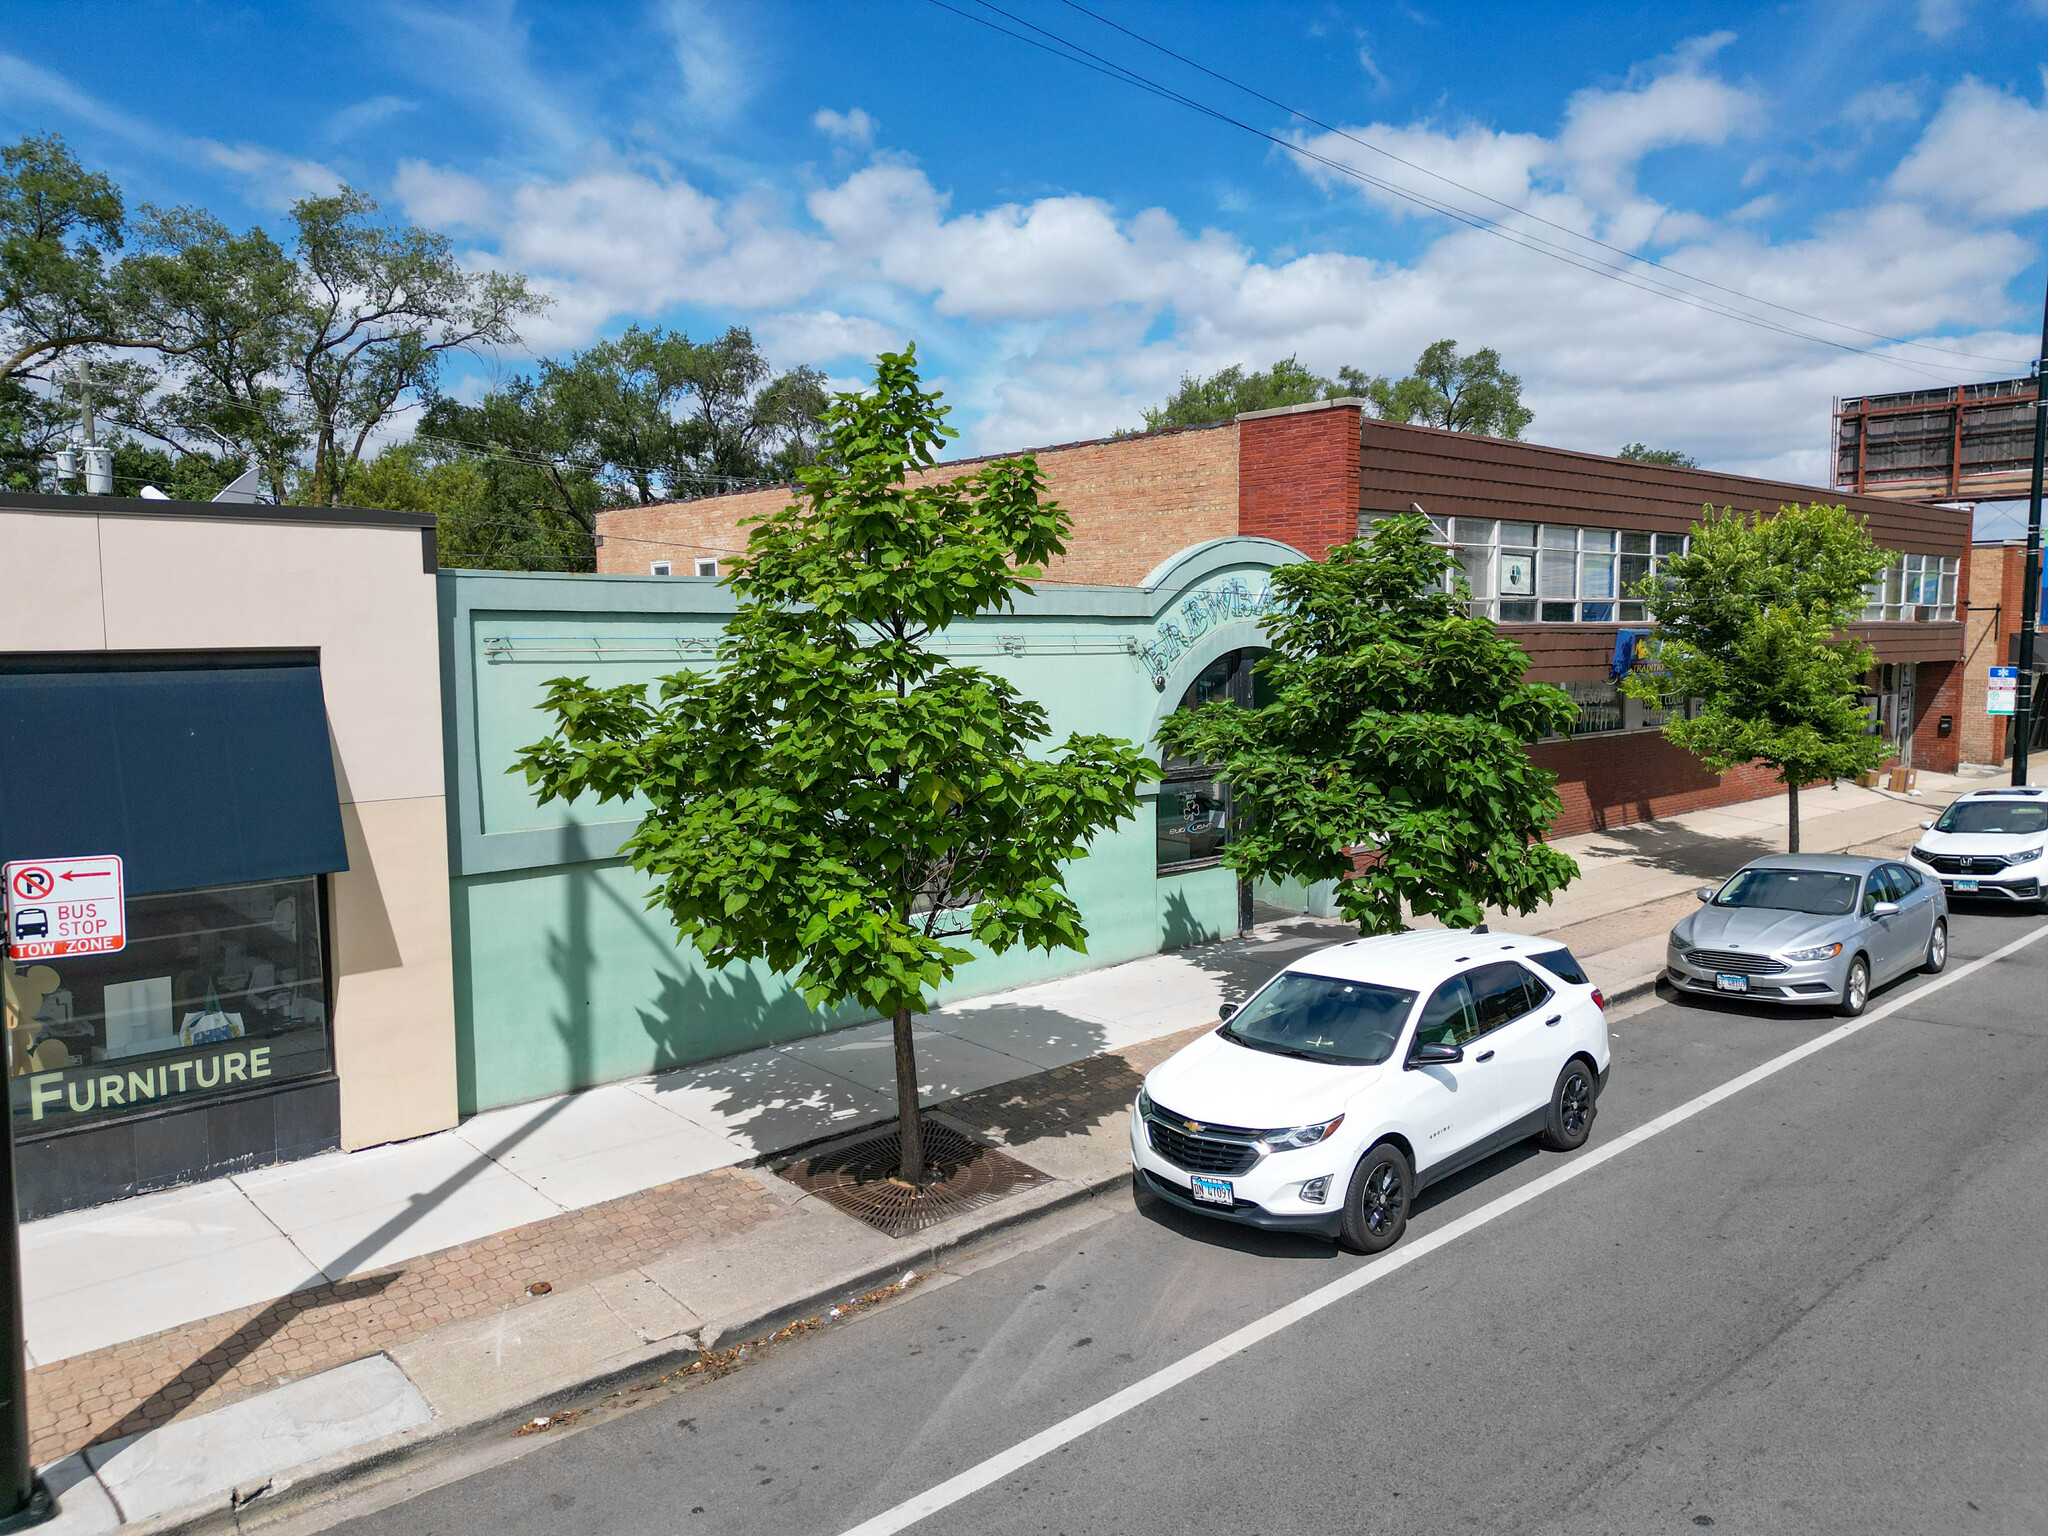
(1042, 1444)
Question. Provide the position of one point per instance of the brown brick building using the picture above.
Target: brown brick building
(1997, 584)
(1549, 541)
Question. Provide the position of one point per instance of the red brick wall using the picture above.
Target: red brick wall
(1997, 578)
(1610, 781)
(1135, 501)
(1937, 691)
(1297, 476)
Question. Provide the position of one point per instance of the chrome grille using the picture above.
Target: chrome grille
(1967, 864)
(1735, 963)
(1221, 1149)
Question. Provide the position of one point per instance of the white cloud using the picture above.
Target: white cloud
(716, 79)
(445, 199)
(477, 53)
(853, 128)
(360, 118)
(822, 336)
(1882, 103)
(1941, 18)
(1677, 101)
(1985, 153)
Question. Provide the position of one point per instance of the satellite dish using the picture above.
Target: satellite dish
(151, 493)
(242, 488)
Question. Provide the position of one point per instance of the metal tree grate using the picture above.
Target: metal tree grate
(856, 1177)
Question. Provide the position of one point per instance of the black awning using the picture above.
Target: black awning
(195, 771)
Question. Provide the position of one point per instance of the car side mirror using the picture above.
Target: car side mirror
(1884, 909)
(1226, 1013)
(1927, 826)
(1705, 893)
(1435, 1055)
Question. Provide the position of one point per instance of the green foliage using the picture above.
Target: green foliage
(1750, 623)
(650, 416)
(836, 798)
(1461, 394)
(1642, 453)
(60, 227)
(1233, 391)
(1398, 724)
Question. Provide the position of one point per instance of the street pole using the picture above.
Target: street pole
(2030, 593)
(24, 1499)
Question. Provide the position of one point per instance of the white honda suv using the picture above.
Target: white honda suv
(1366, 1071)
(1989, 843)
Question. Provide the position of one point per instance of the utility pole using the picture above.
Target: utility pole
(99, 461)
(2030, 593)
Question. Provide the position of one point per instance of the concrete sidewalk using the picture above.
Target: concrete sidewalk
(554, 1247)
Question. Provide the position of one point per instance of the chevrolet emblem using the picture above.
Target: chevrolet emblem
(1195, 1127)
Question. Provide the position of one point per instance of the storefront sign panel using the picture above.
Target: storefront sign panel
(59, 907)
(2002, 693)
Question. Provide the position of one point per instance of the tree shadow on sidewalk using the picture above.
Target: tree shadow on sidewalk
(1679, 850)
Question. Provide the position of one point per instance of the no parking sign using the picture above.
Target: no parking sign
(64, 907)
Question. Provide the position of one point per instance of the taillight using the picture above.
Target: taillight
(1600, 998)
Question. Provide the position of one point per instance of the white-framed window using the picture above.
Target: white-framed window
(706, 567)
(1913, 588)
(661, 568)
(1550, 573)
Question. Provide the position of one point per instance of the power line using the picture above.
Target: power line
(1074, 53)
(1526, 213)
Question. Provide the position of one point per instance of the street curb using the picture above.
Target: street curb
(295, 1489)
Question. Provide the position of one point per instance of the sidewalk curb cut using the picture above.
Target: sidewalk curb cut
(295, 1489)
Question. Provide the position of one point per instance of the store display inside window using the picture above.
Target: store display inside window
(217, 990)
(1193, 815)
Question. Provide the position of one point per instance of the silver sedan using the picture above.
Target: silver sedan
(1811, 930)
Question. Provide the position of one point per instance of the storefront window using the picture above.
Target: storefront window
(217, 991)
(1599, 707)
(1194, 812)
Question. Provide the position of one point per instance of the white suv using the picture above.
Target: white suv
(1365, 1071)
(1990, 843)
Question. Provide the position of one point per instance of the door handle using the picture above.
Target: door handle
(1484, 1056)
(1552, 1020)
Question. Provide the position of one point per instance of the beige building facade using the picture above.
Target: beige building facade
(244, 703)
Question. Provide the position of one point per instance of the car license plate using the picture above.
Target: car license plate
(1729, 983)
(1966, 885)
(1214, 1191)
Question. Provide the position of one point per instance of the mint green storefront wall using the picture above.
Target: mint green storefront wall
(564, 978)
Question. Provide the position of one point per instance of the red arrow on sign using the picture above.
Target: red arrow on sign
(74, 874)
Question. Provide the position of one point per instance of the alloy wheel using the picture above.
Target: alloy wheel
(1938, 954)
(1859, 986)
(1384, 1198)
(1575, 1104)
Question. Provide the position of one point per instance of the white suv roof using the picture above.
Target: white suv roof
(1418, 961)
(2021, 791)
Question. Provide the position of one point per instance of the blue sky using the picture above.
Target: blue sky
(844, 176)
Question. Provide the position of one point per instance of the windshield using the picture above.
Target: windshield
(1790, 890)
(1322, 1019)
(2012, 818)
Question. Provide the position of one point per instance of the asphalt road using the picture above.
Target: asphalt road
(1819, 1305)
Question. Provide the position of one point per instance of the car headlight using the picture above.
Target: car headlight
(2026, 856)
(1144, 1104)
(1299, 1136)
(1920, 853)
(1824, 952)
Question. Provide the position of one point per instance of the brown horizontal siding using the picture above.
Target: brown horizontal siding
(1458, 474)
(1565, 653)
(1912, 642)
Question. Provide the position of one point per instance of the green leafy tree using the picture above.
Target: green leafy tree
(1462, 394)
(1750, 622)
(1233, 391)
(1642, 453)
(1398, 725)
(837, 799)
(61, 227)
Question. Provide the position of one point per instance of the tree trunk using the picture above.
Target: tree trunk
(909, 1129)
(1792, 805)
